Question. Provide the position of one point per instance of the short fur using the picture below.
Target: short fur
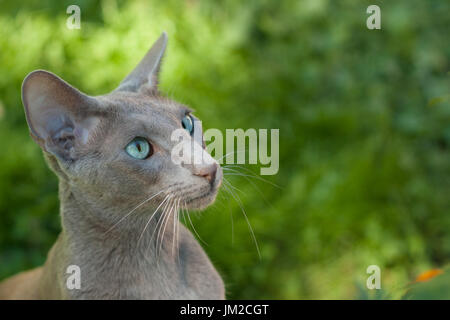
(120, 254)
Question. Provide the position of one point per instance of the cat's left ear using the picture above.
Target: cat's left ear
(145, 75)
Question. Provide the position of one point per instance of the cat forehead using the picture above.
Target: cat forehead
(140, 106)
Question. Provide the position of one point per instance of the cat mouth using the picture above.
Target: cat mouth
(203, 196)
(205, 199)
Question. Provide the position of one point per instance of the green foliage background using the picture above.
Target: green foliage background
(364, 123)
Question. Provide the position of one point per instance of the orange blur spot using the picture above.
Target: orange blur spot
(429, 274)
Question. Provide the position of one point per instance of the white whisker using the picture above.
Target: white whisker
(237, 173)
(174, 225)
(193, 228)
(165, 223)
(238, 200)
(159, 223)
(151, 217)
(255, 187)
(236, 152)
(137, 207)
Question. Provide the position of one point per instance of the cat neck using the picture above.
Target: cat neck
(122, 265)
(112, 231)
(107, 256)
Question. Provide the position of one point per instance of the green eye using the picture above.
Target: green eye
(188, 124)
(138, 148)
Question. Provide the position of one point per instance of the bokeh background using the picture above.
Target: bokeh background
(364, 121)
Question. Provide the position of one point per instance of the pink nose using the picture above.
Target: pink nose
(208, 172)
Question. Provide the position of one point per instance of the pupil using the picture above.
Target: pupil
(139, 147)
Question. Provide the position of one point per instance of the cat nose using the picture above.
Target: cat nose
(208, 171)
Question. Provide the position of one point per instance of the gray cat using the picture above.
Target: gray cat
(120, 191)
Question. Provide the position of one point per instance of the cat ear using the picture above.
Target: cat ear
(59, 116)
(146, 72)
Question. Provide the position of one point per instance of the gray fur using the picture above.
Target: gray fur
(83, 140)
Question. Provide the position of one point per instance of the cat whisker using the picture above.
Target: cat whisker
(178, 235)
(133, 210)
(235, 172)
(151, 217)
(183, 211)
(173, 234)
(230, 185)
(170, 215)
(253, 185)
(159, 226)
(239, 202)
(159, 223)
(175, 225)
(165, 223)
(193, 228)
(224, 197)
(232, 152)
(232, 225)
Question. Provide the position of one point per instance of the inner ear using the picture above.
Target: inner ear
(60, 117)
(65, 135)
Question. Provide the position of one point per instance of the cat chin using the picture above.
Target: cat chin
(203, 201)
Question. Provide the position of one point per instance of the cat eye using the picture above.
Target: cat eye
(139, 148)
(188, 124)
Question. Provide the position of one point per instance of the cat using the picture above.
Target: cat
(120, 191)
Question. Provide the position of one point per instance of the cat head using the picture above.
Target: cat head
(117, 149)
